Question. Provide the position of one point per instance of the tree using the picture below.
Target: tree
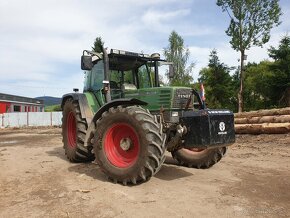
(281, 68)
(218, 83)
(250, 25)
(258, 91)
(177, 53)
(98, 45)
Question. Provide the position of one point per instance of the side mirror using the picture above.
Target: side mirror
(171, 71)
(86, 62)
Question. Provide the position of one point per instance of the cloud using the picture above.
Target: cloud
(160, 21)
(55, 87)
(41, 41)
(152, 17)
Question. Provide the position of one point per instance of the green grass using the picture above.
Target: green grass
(52, 108)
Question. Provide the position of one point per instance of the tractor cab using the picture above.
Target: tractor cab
(125, 72)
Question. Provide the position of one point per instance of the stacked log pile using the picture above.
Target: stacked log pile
(275, 121)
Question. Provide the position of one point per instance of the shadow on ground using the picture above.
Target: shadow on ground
(57, 152)
(170, 160)
(89, 169)
(169, 171)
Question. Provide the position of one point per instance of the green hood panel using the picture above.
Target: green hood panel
(155, 97)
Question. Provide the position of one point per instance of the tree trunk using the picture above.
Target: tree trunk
(285, 100)
(260, 113)
(263, 119)
(241, 91)
(265, 128)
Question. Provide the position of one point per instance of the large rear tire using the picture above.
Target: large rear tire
(199, 158)
(129, 144)
(74, 131)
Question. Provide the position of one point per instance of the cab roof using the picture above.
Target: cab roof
(124, 60)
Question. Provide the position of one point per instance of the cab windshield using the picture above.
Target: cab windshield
(124, 71)
(139, 77)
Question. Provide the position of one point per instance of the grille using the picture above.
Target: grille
(180, 98)
(164, 98)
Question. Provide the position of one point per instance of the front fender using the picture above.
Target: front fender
(115, 103)
(86, 112)
(105, 107)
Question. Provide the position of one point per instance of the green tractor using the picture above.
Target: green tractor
(126, 121)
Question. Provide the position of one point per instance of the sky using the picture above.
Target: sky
(41, 41)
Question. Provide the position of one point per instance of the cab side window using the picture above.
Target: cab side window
(94, 78)
(144, 77)
(97, 76)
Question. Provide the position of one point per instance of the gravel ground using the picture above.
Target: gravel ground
(36, 180)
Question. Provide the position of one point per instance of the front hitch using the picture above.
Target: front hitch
(176, 142)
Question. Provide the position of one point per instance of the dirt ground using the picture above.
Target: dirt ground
(36, 180)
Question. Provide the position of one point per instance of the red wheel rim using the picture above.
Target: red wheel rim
(71, 130)
(117, 155)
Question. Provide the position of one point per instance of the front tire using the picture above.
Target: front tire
(199, 158)
(129, 144)
(74, 131)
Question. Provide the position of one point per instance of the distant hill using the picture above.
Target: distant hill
(48, 100)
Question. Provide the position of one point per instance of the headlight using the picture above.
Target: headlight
(174, 114)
